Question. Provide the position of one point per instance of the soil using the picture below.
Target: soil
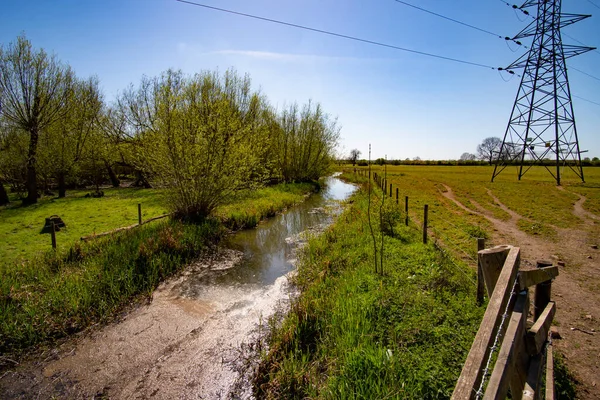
(575, 290)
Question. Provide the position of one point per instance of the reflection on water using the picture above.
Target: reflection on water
(267, 255)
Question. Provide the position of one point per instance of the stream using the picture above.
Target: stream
(185, 342)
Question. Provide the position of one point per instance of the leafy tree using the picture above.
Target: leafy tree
(354, 156)
(66, 141)
(306, 142)
(489, 148)
(34, 88)
(200, 136)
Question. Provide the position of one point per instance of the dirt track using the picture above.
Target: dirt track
(575, 289)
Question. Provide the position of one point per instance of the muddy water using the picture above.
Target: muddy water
(184, 343)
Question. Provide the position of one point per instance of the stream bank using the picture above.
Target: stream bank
(183, 342)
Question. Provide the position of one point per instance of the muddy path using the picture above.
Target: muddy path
(575, 290)
(185, 343)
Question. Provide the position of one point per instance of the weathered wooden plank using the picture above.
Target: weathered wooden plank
(491, 262)
(535, 276)
(538, 333)
(470, 376)
(98, 235)
(532, 389)
(504, 369)
(543, 292)
(125, 228)
(157, 217)
(550, 393)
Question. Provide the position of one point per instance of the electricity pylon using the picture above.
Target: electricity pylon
(542, 122)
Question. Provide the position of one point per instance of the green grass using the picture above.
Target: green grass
(247, 208)
(535, 198)
(56, 293)
(20, 227)
(355, 334)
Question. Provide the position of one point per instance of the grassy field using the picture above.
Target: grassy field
(542, 205)
(56, 293)
(357, 334)
(20, 227)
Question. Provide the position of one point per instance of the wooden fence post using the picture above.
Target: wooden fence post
(491, 262)
(425, 211)
(480, 283)
(406, 209)
(53, 235)
(397, 192)
(543, 292)
(139, 213)
(390, 190)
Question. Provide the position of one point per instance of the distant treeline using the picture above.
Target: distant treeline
(587, 162)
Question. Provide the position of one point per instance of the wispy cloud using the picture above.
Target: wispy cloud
(283, 57)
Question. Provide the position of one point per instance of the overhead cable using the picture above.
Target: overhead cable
(372, 42)
(585, 73)
(448, 18)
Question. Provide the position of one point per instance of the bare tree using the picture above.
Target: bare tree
(467, 156)
(354, 155)
(34, 88)
(489, 148)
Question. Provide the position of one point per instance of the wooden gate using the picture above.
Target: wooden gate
(524, 345)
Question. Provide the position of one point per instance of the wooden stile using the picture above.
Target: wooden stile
(471, 374)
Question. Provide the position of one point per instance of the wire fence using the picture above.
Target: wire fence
(458, 247)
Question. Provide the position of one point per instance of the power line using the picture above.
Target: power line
(594, 4)
(585, 73)
(337, 34)
(589, 101)
(449, 19)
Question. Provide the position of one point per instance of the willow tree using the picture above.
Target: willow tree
(64, 143)
(202, 136)
(34, 88)
(306, 142)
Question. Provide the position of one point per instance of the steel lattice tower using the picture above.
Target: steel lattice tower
(542, 122)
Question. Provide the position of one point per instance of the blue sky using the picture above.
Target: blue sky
(405, 105)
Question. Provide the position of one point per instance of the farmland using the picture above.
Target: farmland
(386, 335)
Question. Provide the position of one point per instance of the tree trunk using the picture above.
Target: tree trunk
(62, 187)
(3, 195)
(114, 180)
(32, 194)
(141, 180)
